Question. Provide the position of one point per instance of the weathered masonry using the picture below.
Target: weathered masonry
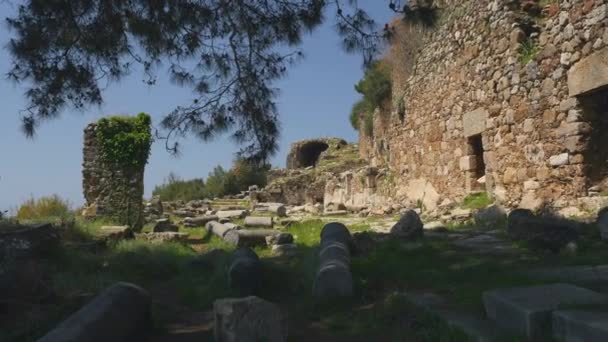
(504, 97)
(114, 187)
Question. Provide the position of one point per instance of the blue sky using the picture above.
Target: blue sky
(315, 101)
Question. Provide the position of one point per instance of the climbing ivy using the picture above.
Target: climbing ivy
(125, 141)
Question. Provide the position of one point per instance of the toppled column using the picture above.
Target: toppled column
(218, 229)
(245, 272)
(119, 313)
(249, 238)
(334, 278)
(254, 221)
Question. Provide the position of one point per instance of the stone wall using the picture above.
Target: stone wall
(503, 98)
(109, 190)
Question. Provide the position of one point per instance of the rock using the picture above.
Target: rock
(540, 232)
(491, 216)
(279, 239)
(217, 228)
(527, 310)
(589, 74)
(249, 237)
(121, 313)
(334, 278)
(249, 319)
(261, 221)
(162, 237)
(363, 243)
(285, 250)
(559, 160)
(115, 233)
(156, 205)
(17, 241)
(602, 223)
(245, 272)
(409, 226)
(335, 206)
(579, 325)
(164, 225)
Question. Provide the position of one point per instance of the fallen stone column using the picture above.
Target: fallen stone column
(334, 278)
(119, 313)
(199, 221)
(245, 272)
(218, 228)
(277, 208)
(232, 214)
(254, 221)
(252, 237)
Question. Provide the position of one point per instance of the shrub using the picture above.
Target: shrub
(477, 200)
(376, 88)
(174, 188)
(527, 51)
(125, 141)
(47, 207)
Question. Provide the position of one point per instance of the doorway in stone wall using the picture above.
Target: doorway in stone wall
(477, 173)
(595, 112)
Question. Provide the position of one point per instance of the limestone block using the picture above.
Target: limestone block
(559, 159)
(527, 310)
(589, 74)
(578, 325)
(474, 122)
(468, 163)
(248, 319)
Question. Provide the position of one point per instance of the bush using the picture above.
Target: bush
(376, 88)
(44, 208)
(174, 188)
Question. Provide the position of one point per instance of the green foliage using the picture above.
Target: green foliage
(219, 183)
(125, 141)
(401, 109)
(376, 88)
(174, 188)
(527, 51)
(477, 200)
(44, 208)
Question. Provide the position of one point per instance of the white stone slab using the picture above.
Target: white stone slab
(579, 326)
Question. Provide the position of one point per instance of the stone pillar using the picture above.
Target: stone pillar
(109, 190)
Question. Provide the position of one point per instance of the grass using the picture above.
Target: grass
(477, 200)
(183, 275)
(527, 51)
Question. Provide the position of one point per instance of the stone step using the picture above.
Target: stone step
(579, 325)
(527, 310)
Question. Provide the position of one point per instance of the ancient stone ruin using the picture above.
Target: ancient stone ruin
(111, 189)
(490, 99)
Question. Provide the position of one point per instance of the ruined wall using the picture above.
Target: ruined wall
(110, 190)
(488, 105)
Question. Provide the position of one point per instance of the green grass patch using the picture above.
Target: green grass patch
(477, 200)
(528, 50)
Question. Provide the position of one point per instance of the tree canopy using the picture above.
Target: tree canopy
(229, 52)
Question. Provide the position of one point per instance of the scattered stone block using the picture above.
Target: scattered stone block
(249, 319)
(334, 278)
(163, 237)
(279, 239)
(249, 237)
(335, 213)
(18, 241)
(164, 225)
(115, 232)
(527, 310)
(285, 250)
(409, 226)
(491, 216)
(245, 272)
(578, 325)
(121, 313)
(541, 232)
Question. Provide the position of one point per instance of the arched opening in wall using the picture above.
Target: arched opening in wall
(309, 153)
(479, 166)
(595, 112)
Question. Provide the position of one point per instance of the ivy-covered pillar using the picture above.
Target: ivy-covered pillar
(116, 151)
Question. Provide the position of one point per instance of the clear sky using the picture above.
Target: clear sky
(315, 101)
